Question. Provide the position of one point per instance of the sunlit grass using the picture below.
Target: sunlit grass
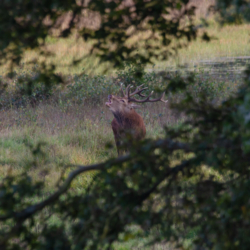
(229, 41)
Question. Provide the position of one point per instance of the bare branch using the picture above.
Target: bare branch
(27, 212)
(34, 208)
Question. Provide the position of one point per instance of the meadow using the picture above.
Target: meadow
(72, 125)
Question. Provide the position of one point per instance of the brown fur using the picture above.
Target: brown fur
(127, 124)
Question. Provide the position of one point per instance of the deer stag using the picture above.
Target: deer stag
(127, 123)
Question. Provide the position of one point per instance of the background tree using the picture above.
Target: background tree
(160, 185)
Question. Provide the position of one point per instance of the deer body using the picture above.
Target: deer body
(127, 124)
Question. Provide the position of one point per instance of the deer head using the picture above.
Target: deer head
(126, 120)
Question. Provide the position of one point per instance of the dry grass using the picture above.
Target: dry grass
(74, 134)
(230, 41)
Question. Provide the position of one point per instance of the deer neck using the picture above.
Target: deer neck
(123, 117)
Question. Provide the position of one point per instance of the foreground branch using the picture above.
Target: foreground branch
(27, 212)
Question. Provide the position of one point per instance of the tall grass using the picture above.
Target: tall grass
(73, 133)
(74, 124)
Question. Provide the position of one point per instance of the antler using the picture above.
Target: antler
(122, 90)
(147, 99)
(139, 91)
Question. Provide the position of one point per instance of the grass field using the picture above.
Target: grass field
(229, 41)
(73, 127)
(73, 133)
